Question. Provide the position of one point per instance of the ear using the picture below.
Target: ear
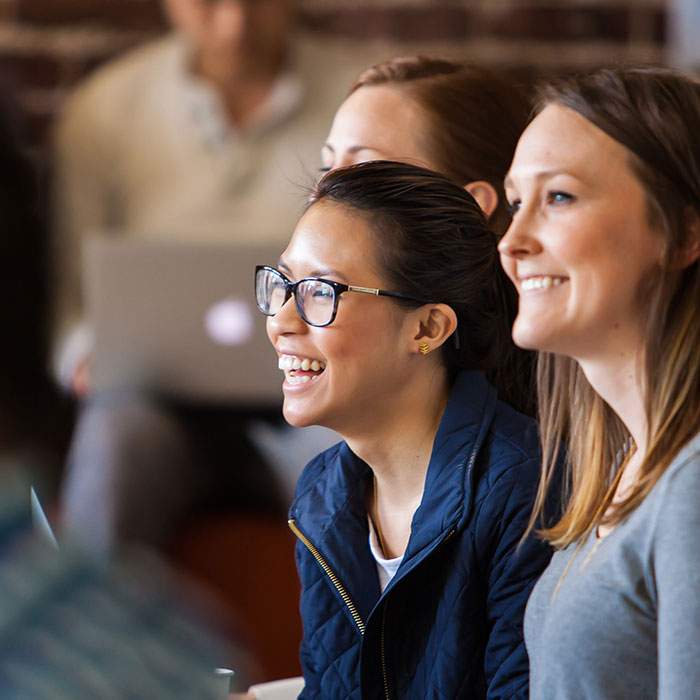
(690, 251)
(485, 195)
(435, 323)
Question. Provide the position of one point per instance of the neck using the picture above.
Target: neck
(398, 447)
(398, 450)
(242, 88)
(620, 383)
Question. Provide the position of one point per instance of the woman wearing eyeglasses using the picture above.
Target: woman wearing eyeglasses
(386, 310)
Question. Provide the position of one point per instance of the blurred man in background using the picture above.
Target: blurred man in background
(203, 135)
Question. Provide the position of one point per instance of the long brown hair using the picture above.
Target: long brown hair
(655, 114)
(475, 117)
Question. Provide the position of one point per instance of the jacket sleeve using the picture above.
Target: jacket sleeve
(511, 569)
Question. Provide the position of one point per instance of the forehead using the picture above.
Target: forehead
(380, 115)
(334, 237)
(559, 138)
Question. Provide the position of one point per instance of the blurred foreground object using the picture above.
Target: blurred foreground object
(69, 629)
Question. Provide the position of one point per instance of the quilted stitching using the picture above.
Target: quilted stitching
(454, 621)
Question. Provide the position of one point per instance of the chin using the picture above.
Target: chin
(298, 418)
(527, 337)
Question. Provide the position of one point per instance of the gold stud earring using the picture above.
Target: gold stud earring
(423, 347)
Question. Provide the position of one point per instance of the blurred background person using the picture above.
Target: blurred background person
(202, 135)
(460, 120)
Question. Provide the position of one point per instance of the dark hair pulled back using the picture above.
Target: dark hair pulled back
(434, 245)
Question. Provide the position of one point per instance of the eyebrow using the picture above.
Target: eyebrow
(320, 272)
(543, 175)
(353, 149)
(328, 272)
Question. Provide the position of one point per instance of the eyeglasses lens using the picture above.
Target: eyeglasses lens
(270, 290)
(315, 300)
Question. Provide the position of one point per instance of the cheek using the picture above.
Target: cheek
(272, 336)
(362, 342)
(509, 266)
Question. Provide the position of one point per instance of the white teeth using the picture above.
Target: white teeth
(288, 363)
(543, 282)
(298, 380)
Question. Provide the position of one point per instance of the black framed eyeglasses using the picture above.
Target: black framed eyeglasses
(316, 298)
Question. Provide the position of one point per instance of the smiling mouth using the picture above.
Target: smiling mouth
(541, 282)
(299, 370)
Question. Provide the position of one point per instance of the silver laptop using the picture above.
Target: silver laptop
(180, 319)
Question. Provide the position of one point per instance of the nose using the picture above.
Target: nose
(286, 321)
(519, 241)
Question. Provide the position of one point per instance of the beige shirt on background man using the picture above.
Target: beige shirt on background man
(143, 148)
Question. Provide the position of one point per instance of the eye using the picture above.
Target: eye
(512, 207)
(557, 197)
(324, 170)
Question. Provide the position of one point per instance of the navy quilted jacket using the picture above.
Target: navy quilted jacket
(449, 624)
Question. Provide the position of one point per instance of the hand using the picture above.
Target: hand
(82, 379)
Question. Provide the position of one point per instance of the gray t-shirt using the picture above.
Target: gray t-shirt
(625, 621)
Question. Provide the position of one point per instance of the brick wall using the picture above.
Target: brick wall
(47, 45)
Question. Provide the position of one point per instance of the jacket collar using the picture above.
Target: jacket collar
(332, 513)
(447, 496)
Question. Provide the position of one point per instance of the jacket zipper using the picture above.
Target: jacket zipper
(384, 676)
(331, 575)
(346, 598)
(382, 637)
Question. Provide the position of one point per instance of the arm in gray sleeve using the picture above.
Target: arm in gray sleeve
(676, 572)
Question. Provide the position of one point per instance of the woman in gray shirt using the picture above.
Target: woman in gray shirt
(604, 247)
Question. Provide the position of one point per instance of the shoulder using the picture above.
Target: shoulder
(329, 67)
(512, 443)
(315, 471)
(675, 498)
(508, 468)
(108, 92)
